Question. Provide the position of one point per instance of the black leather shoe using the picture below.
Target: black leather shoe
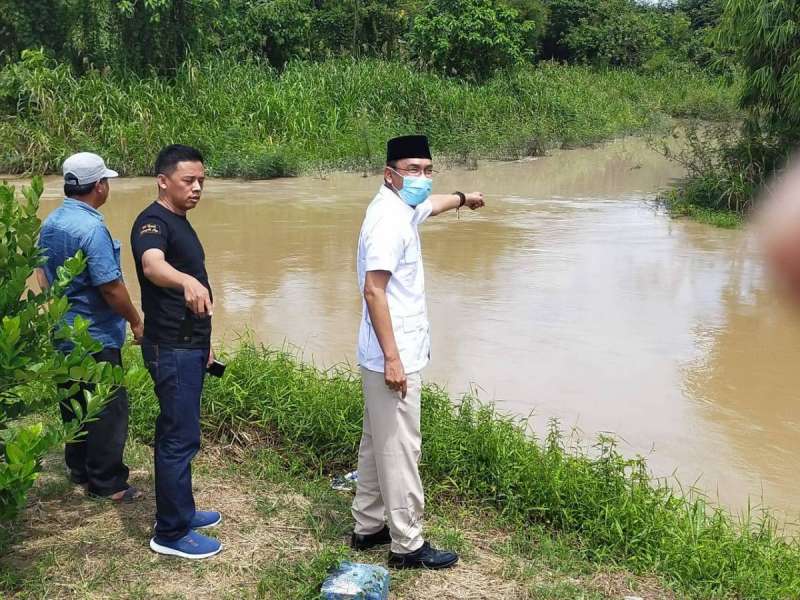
(370, 540)
(426, 557)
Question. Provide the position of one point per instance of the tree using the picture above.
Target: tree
(470, 38)
(703, 14)
(537, 12)
(620, 39)
(728, 169)
(608, 32)
(765, 36)
(30, 367)
(137, 35)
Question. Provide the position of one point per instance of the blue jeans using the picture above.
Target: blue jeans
(178, 375)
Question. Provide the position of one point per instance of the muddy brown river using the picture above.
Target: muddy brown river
(570, 296)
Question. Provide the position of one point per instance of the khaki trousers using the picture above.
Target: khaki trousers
(389, 487)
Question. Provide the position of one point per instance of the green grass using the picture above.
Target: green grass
(251, 121)
(727, 167)
(284, 528)
(725, 219)
(288, 578)
(473, 456)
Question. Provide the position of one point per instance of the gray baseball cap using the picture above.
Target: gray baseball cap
(85, 167)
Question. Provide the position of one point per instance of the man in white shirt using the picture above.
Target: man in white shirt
(393, 348)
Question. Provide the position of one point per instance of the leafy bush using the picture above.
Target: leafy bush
(627, 34)
(536, 11)
(620, 39)
(765, 36)
(359, 27)
(727, 170)
(30, 367)
(278, 30)
(126, 34)
(469, 38)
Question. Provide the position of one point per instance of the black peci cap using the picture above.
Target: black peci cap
(407, 146)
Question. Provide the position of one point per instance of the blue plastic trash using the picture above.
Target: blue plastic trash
(351, 581)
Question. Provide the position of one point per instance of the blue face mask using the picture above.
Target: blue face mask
(415, 190)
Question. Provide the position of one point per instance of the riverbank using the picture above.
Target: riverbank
(680, 207)
(283, 527)
(583, 514)
(252, 122)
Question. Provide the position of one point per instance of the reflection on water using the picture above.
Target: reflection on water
(569, 296)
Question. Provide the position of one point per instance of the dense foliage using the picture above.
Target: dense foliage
(461, 37)
(471, 38)
(30, 367)
(729, 166)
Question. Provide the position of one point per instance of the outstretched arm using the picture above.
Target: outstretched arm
(163, 274)
(444, 202)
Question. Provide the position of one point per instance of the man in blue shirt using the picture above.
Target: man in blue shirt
(100, 296)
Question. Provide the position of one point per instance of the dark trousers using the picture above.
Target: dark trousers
(178, 375)
(96, 458)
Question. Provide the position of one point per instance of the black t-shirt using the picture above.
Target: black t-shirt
(167, 320)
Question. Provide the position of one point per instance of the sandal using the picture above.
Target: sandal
(131, 494)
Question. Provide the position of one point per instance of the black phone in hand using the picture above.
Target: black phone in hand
(216, 369)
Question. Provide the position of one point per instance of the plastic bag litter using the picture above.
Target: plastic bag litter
(356, 580)
(345, 483)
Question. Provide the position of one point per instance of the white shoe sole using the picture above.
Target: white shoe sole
(214, 524)
(158, 548)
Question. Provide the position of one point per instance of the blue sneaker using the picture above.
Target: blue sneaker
(193, 545)
(205, 518)
(202, 519)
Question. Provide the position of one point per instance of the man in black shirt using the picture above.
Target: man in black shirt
(177, 304)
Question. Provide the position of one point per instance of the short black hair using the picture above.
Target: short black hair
(170, 156)
(71, 190)
(392, 163)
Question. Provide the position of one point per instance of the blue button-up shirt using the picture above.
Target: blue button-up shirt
(77, 226)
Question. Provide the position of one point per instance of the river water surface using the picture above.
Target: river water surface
(570, 296)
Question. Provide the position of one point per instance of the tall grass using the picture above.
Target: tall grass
(473, 454)
(251, 121)
(727, 167)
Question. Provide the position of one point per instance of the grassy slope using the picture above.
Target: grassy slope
(474, 458)
(252, 122)
(533, 518)
(283, 527)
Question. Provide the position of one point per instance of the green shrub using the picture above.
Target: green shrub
(30, 367)
(727, 169)
(620, 39)
(765, 37)
(358, 27)
(159, 35)
(279, 31)
(536, 12)
(469, 38)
